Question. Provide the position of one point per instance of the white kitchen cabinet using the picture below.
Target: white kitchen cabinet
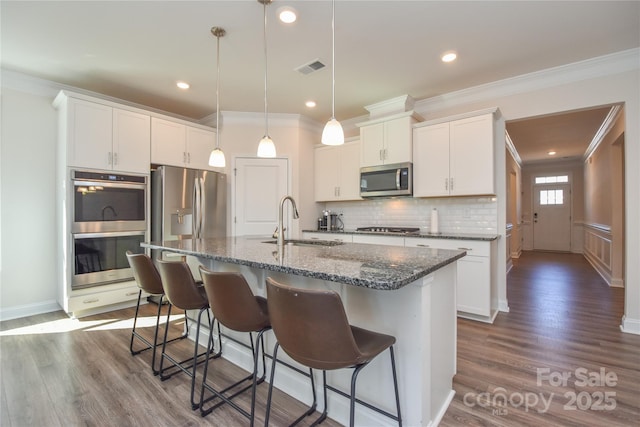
(337, 172)
(454, 158)
(100, 136)
(178, 144)
(338, 237)
(386, 141)
(378, 240)
(476, 288)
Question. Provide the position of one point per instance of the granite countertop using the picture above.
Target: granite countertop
(371, 266)
(451, 236)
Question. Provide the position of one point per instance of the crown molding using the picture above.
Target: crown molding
(604, 129)
(600, 66)
(512, 148)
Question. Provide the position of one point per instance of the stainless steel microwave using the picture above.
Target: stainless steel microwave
(387, 180)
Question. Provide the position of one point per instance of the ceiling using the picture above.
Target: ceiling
(138, 50)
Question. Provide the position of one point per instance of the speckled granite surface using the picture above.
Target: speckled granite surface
(451, 236)
(371, 266)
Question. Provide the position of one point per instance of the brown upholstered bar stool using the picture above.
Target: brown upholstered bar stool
(312, 328)
(183, 292)
(148, 280)
(235, 307)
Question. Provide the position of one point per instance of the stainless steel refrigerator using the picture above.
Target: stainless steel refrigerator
(185, 204)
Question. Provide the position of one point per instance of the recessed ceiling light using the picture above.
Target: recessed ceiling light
(449, 56)
(310, 104)
(551, 153)
(287, 14)
(183, 85)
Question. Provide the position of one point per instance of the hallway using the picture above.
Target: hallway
(558, 358)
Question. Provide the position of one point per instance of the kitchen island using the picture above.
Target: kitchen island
(405, 292)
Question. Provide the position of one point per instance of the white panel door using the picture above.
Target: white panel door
(552, 217)
(259, 186)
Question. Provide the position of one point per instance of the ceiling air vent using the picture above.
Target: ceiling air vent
(310, 67)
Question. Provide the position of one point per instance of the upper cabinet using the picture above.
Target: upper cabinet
(337, 172)
(101, 136)
(177, 144)
(455, 158)
(387, 141)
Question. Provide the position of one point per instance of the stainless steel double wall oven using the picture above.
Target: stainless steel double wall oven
(109, 217)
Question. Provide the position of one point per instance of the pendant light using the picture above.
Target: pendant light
(216, 158)
(266, 147)
(333, 133)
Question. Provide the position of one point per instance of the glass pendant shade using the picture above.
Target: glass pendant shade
(333, 133)
(216, 158)
(266, 147)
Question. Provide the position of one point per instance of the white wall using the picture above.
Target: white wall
(28, 221)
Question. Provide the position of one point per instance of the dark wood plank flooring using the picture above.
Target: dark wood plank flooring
(563, 317)
(61, 372)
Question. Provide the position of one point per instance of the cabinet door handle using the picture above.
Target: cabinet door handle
(423, 246)
(115, 159)
(338, 190)
(446, 184)
(451, 184)
(465, 249)
(385, 154)
(92, 300)
(188, 157)
(129, 294)
(109, 158)
(184, 157)
(379, 154)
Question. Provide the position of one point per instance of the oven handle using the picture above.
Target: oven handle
(135, 186)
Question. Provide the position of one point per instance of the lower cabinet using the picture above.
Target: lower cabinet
(338, 237)
(476, 288)
(476, 292)
(379, 240)
(81, 303)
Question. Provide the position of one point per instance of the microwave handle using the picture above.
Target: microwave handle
(398, 178)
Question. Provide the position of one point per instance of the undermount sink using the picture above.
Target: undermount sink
(307, 242)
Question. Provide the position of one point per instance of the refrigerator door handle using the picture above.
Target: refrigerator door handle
(195, 226)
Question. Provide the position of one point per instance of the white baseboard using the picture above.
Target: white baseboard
(617, 282)
(600, 269)
(630, 326)
(503, 305)
(9, 313)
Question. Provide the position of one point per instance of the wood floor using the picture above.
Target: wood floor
(563, 320)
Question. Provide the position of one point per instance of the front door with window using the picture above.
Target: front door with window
(552, 217)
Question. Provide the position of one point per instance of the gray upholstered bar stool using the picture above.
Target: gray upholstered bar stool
(312, 328)
(235, 307)
(148, 280)
(183, 292)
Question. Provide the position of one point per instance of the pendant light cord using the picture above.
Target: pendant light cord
(266, 120)
(218, 93)
(333, 60)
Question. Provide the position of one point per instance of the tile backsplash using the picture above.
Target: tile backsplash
(455, 215)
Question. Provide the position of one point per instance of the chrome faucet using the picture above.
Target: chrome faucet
(280, 229)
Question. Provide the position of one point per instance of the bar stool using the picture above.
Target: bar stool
(183, 292)
(148, 280)
(235, 307)
(312, 328)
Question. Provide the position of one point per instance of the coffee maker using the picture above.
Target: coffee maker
(330, 221)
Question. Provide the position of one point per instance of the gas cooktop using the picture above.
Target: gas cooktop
(382, 229)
